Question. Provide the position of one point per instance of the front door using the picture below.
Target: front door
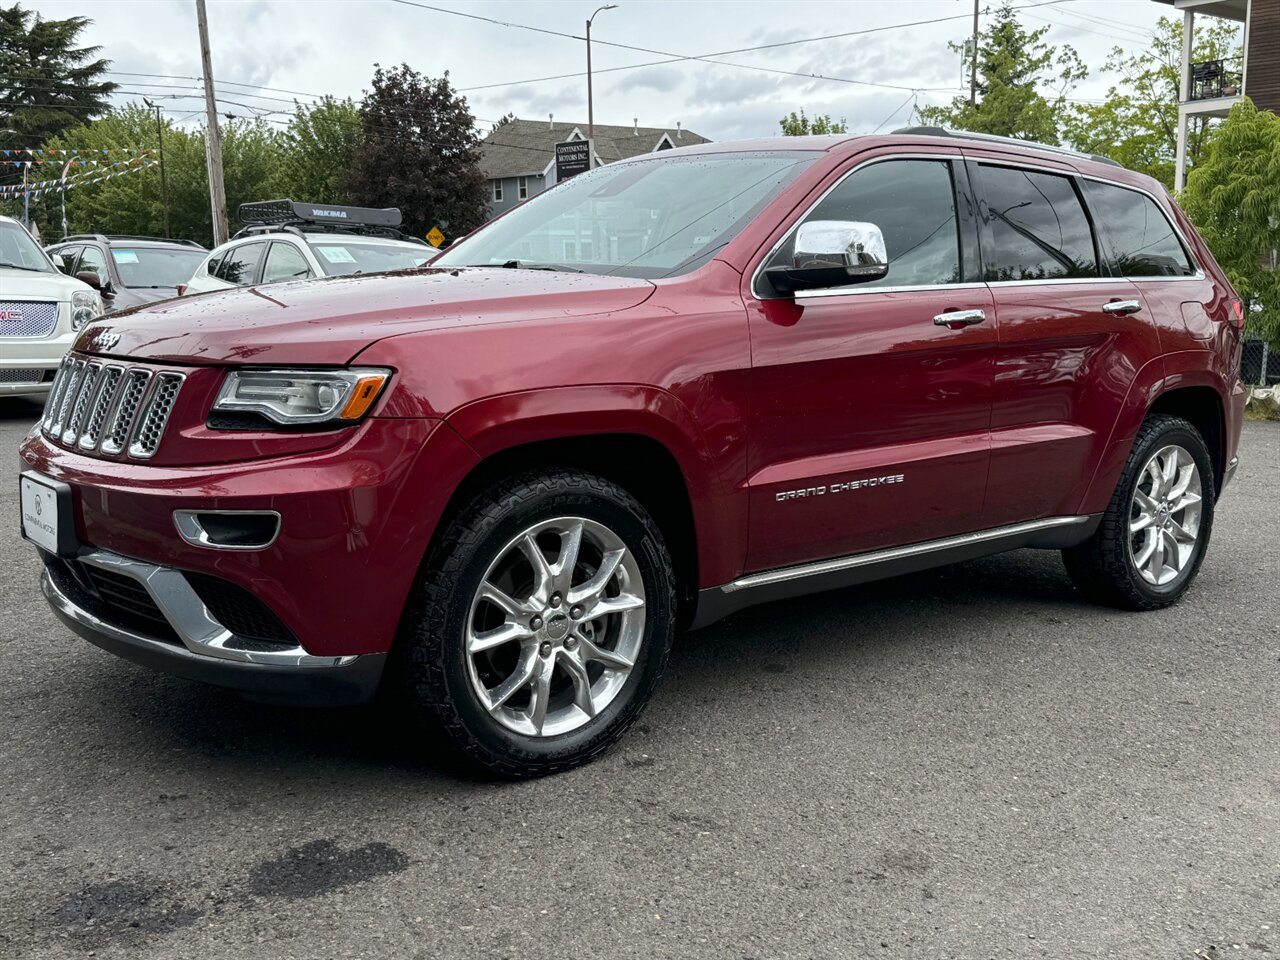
(869, 415)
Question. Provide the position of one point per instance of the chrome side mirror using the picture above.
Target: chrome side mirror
(832, 253)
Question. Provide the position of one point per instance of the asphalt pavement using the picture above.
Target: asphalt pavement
(966, 763)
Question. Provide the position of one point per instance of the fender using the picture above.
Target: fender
(502, 422)
(1159, 376)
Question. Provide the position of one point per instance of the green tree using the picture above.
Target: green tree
(132, 203)
(1015, 66)
(317, 151)
(1233, 196)
(1137, 126)
(798, 125)
(47, 83)
(419, 152)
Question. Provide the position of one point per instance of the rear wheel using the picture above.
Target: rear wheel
(542, 623)
(1156, 529)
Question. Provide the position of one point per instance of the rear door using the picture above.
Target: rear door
(1071, 339)
(868, 417)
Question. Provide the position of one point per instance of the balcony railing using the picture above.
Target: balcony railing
(1211, 79)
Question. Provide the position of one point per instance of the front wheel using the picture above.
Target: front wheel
(542, 623)
(1156, 529)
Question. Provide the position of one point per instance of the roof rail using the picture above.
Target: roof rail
(1010, 141)
(135, 237)
(109, 237)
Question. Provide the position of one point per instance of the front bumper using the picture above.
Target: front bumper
(27, 365)
(206, 649)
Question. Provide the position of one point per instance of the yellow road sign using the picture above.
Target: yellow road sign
(435, 237)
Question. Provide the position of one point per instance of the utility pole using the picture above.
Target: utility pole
(212, 138)
(164, 182)
(591, 117)
(973, 63)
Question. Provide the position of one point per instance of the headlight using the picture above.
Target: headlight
(86, 305)
(297, 397)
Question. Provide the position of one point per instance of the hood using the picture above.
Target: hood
(331, 320)
(26, 285)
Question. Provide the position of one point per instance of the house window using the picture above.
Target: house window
(497, 191)
(522, 188)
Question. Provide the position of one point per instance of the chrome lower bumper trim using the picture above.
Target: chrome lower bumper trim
(1230, 472)
(195, 626)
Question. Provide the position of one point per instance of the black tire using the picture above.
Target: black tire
(1103, 568)
(432, 659)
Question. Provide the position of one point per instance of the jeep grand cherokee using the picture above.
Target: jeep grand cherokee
(664, 390)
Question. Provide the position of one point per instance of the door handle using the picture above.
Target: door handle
(958, 319)
(1121, 308)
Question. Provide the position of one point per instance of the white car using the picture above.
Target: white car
(296, 241)
(41, 311)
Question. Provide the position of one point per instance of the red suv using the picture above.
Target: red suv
(668, 388)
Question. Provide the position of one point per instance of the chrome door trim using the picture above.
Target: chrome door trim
(805, 570)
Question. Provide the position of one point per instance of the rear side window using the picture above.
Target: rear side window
(1039, 230)
(913, 203)
(285, 262)
(1136, 235)
(240, 264)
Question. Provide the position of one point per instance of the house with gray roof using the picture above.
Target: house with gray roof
(518, 158)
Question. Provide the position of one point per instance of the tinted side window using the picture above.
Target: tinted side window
(913, 203)
(92, 261)
(241, 263)
(69, 255)
(1038, 226)
(284, 262)
(1136, 235)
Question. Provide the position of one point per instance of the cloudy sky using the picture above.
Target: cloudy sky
(871, 75)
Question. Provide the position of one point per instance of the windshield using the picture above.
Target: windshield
(644, 219)
(352, 256)
(19, 251)
(156, 266)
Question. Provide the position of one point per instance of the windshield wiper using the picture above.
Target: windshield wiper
(529, 265)
(18, 266)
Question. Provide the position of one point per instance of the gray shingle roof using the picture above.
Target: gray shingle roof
(522, 148)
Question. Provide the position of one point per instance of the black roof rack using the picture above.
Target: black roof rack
(273, 216)
(108, 238)
(1009, 141)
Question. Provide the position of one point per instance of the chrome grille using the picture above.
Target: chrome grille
(27, 318)
(88, 386)
(55, 397)
(155, 415)
(132, 391)
(92, 432)
(110, 408)
(75, 369)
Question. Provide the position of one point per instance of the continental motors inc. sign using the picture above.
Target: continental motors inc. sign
(572, 158)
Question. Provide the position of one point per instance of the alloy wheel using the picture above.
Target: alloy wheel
(555, 626)
(1164, 516)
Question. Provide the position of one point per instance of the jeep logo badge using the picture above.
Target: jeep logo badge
(104, 341)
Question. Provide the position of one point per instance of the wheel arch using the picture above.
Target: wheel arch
(1201, 406)
(639, 437)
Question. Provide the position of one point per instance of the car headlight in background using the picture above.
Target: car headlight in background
(300, 397)
(86, 305)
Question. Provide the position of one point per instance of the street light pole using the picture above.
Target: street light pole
(591, 117)
(164, 182)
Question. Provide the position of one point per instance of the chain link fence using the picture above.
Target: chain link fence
(1259, 364)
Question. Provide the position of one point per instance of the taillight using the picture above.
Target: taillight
(182, 288)
(1237, 311)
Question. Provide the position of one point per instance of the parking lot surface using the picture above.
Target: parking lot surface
(965, 763)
